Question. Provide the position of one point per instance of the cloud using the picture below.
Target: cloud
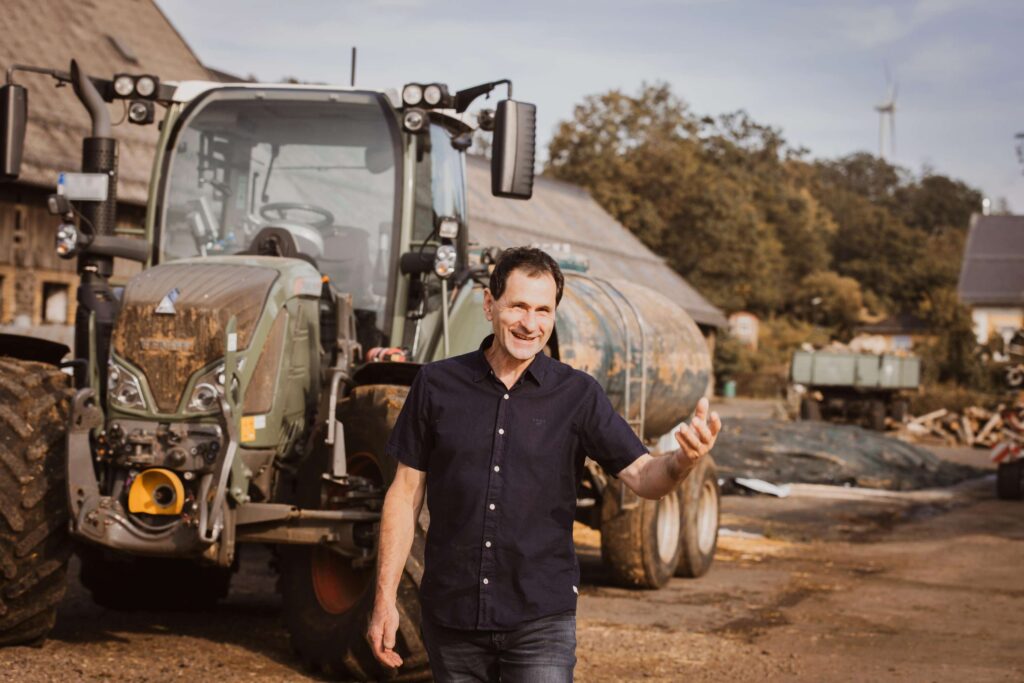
(866, 26)
(946, 63)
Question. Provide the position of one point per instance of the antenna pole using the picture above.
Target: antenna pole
(352, 80)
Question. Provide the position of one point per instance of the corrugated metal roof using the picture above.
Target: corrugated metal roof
(50, 34)
(993, 267)
(560, 212)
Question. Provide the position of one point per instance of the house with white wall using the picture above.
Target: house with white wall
(992, 275)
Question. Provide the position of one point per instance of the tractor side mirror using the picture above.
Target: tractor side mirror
(13, 116)
(513, 149)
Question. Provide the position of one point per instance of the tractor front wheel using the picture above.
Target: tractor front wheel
(328, 598)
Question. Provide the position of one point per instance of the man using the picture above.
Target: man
(498, 438)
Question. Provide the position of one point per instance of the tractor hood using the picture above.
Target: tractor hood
(174, 317)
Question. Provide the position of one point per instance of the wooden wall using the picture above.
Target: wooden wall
(29, 264)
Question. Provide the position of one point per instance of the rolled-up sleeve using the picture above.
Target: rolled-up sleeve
(411, 440)
(605, 436)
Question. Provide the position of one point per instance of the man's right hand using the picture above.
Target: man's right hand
(382, 632)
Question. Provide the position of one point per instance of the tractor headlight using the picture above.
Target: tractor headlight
(145, 86)
(123, 388)
(124, 85)
(204, 398)
(432, 94)
(412, 94)
(206, 394)
(444, 261)
(67, 240)
(414, 120)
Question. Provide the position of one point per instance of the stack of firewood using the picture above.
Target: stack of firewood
(975, 426)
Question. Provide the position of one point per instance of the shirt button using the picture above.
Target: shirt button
(491, 506)
(506, 397)
(486, 582)
(487, 544)
(500, 430)
(497, 468)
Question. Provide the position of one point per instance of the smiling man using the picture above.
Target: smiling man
(498, 438)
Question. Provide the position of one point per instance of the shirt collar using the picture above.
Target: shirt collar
(537, 370)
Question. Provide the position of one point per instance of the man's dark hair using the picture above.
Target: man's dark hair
(531, 261)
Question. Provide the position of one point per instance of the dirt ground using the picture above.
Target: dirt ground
(827, 584)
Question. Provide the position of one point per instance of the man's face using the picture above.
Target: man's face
(524, 317)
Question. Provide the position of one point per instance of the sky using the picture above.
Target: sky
(815, 70)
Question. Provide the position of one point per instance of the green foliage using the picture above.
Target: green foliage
(755, 226)
(832, 300)
(954, 355)
(708, 195)
(747, 220)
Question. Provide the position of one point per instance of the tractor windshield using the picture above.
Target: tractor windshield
(322, 165)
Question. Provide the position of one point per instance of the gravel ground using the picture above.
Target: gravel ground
(833, 584)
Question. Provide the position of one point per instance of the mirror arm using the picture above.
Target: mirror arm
(60, 76)
(122, 247)
(464, 98)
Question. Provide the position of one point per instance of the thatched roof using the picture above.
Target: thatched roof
(106, 37)
(560, 212)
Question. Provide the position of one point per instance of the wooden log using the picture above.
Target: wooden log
(968, 433)
(928, 417)
(994, 422)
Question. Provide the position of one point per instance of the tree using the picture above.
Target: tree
(953, 355)
(691, 189)
(832, 300)
(752, 223)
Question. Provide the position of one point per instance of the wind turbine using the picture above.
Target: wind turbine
(887, 109)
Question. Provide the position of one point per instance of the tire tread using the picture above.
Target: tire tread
(34, 545)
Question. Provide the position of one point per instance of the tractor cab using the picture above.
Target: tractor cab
(348, 179)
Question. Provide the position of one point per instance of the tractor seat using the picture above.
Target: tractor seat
(277, 242)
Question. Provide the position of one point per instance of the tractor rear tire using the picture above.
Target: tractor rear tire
(641, 544)
(327, 601)
(701, 497)
(127, 583)
(35, 399)
(1008, 480)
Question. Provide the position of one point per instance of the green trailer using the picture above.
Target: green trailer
(854, 386)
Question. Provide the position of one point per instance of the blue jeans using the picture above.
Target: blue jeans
(539, 651)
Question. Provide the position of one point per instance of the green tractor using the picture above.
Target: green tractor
(240, 388)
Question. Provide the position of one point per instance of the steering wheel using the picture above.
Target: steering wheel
(326, 217)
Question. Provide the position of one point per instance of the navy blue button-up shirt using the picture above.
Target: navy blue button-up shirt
(502, 470)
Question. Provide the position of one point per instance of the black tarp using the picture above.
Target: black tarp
(824, 453)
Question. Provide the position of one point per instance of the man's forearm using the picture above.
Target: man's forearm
(661, 474)
(397, 529)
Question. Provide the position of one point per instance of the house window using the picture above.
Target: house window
(902, 342)
(55, 303)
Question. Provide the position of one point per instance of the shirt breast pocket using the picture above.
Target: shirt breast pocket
(540, 442)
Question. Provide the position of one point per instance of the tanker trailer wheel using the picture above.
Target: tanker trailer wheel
(876, 414)
(327, 600)
(34, 543)
(127, 583)
(700, 519)
(810, 409)
(640, 545)
(1008, 480)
